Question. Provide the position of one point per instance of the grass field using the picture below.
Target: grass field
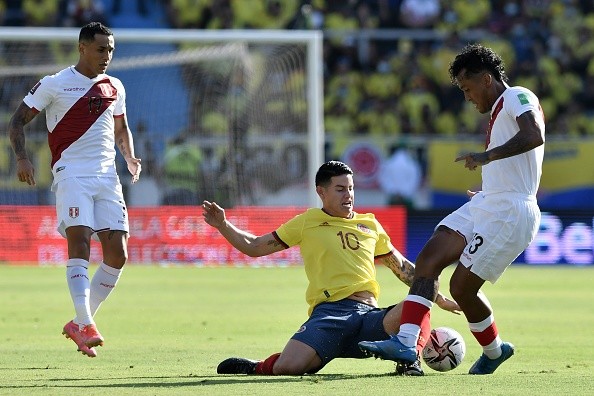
(166, 329)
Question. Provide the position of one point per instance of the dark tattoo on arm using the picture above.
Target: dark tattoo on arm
(21, 117)
(122, 147)
(425, 287)
(404, 271)
(273, 242)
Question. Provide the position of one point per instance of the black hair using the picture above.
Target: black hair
(330, 169)
(474, 58)
(88, 32)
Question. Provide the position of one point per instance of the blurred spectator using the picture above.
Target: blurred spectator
(419, 13)
(400, 177)
(182, 168)
(81, 12)
(40, 12)
(13, 13)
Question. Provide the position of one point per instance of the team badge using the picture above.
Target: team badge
(73, 212)
(364, 228)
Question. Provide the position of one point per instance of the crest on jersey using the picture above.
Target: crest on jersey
(73, 212)
(364, 228)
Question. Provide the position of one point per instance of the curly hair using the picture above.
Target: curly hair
(330, 169)
(474, 58)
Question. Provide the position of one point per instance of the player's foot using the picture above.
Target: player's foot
(390, 349)
(484, 365)
(413, 369)
(237, 366)
(91, 336)
(72, 331)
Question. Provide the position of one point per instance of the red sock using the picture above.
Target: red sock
(425, 332)
(413, 312)
(265, 367)
(486, 336)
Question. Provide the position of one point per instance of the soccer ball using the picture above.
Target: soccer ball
(444, 350)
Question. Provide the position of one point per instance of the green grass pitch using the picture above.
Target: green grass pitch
(166, 329)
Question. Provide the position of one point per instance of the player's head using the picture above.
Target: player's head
(480, 73)
(335, 187)
(95, 47)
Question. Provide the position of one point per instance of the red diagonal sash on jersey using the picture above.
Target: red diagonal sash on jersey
(80, 117)
(494, 114)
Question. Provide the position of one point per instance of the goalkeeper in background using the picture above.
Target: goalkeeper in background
(339, 247)
(85, 114)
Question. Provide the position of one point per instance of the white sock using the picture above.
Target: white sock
(409, 334)
(103, 283)
(77, 276)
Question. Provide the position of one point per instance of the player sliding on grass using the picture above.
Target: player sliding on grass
(85, 113)
(487, 233)
(338, 247)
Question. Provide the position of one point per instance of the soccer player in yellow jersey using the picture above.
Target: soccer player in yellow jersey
(339, 249)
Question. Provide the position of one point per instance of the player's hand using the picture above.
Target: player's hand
(472, 160)
(134, 168)
(25, 171)
(447, 305)
(471, 194)
(213, 214)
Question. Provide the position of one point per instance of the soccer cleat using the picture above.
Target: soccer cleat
(484, 365)
(237, 366)
(390, 349)
(413, 369)
(91, 336)
(72, 332)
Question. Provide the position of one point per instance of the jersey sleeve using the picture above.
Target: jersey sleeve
(120, 104)
(291, 232)
(41, 95)
(383, 245)
(522, 100)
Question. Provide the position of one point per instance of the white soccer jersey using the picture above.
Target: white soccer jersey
(79, 114)
(520, 173)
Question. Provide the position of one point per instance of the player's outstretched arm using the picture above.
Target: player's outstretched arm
(400, 266)
(16, 132)
(245, 242)
(125, 143)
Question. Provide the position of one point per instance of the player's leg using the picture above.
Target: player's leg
(498, 239)
(443, 248)
(114, 245)
(111, 218)
(465, 289)
(391, 324)
(74, 210)
(297, 358)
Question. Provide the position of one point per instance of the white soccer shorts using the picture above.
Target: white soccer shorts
(497, 227)
(95, 202)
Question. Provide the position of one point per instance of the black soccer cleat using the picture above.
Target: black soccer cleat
(413, 369)
(236, 365)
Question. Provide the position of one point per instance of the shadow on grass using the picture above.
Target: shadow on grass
(184, 381)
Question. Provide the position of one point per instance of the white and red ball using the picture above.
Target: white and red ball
(445, 349)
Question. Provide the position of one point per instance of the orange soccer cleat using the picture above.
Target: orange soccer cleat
(91, 336)
(72, 331)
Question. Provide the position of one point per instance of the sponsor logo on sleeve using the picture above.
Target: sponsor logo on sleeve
(523, 98)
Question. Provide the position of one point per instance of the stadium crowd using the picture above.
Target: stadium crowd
(393, 83)
(385, 62)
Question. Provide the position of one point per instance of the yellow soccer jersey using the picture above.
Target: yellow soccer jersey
(338, 253)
